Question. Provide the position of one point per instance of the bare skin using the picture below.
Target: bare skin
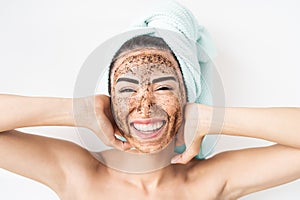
(148, 90)
(228, 175)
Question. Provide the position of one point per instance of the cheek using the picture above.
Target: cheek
(173, 106)
(120, 109)
(171, 103)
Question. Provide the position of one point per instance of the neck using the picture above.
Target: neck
(136, 163)
(146, 182)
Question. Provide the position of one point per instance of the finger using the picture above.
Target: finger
(117, 131)
(106, 132)
(109, 139)
(106, 136)
(187, 155)
(123, 146)
(180, 137)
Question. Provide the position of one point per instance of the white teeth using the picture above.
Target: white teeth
(148, 127)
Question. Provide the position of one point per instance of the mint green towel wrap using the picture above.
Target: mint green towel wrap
(194, 49)
(172, 16)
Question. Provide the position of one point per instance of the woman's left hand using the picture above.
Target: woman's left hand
(197, 120)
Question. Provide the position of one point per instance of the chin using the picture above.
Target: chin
(151, 146)
(150, 135)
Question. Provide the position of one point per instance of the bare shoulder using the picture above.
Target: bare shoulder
(47, 160)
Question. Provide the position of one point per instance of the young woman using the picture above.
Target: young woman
(148, 109)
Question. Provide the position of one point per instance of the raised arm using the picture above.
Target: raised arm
(279, 125)
(35, 157)
(91, 112)
(44, 159)
(250, 170)
(21, 111)
(261, 168)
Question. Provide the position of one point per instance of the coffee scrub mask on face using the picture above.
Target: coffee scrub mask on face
(148, 98)
(146, 79)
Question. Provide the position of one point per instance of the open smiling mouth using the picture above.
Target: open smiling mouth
(147, 128)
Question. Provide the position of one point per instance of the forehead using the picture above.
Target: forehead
(145, 61)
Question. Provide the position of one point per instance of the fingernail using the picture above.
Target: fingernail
(175, 159)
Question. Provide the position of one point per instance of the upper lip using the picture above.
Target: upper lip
(147, 128)
(146, 121)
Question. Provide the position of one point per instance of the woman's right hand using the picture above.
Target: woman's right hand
(94, 113)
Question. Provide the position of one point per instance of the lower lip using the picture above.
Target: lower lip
(150, 135)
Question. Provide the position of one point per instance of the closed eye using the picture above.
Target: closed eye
(126, 90)
(164, 88)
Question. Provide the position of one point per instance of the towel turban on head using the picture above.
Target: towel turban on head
(191, 44)
(193, 48)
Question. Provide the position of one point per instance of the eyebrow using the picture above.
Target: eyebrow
(156, 80)
(163, 79)
(128, 80)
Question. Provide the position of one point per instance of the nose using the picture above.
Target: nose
(145, 103)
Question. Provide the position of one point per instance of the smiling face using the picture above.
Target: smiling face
(148, 97)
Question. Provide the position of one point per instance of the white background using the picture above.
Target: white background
(44, 43)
